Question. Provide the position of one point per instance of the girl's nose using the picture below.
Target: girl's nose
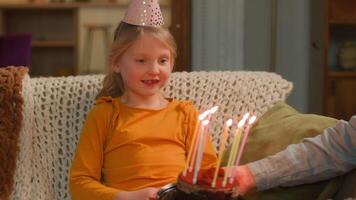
(154, 69)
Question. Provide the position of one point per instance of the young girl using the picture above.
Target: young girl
(135, 140)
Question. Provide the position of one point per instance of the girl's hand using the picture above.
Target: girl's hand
(144, 194)
(244, 179)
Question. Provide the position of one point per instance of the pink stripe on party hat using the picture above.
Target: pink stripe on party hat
(144, 13)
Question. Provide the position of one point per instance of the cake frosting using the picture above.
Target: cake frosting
(202, 190)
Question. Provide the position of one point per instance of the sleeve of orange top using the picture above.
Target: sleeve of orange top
(209, 156)
(85, 175)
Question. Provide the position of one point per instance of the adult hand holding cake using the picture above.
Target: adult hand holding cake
(330, 154)
(244, 181)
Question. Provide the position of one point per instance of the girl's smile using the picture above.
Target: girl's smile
(151, 82)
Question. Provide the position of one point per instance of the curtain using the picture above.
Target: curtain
(217, 35)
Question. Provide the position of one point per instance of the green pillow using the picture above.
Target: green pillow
(275, 130)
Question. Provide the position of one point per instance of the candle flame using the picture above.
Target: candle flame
(252, 119)
(246, 115)
(214, 109)
(205, 122)
(243, 120)
(241, 123)
(203, 115)
(228, 123)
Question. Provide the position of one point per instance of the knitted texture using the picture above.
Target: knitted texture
(60, 106)
(234, 92)
(22, 188)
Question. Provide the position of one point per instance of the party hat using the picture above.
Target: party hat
(144, 13)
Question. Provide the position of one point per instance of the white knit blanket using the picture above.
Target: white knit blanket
(55, 109)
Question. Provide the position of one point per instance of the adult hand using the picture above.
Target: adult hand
(244, 179)
(144, 194)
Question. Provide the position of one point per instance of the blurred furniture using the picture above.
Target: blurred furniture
(89, 40)
(180, 28)
(54, 30)
(339, 85)
(55, 109)
(15, 50)
(58, 31)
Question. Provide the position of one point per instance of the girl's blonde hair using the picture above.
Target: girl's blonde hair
(125, 36)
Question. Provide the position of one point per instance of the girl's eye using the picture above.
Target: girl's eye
(163, 61)
(140, 60)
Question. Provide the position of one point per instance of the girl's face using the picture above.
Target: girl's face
(145, 66)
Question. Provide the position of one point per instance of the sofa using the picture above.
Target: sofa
(54, 110)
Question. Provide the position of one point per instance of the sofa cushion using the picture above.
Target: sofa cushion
(11, 121)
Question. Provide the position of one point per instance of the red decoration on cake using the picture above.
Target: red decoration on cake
(202, 190)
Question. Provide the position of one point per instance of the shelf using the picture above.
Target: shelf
(53, 44)
(338, 85)
(343, 22)
(341, 74)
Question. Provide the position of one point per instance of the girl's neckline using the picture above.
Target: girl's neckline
(170, 102)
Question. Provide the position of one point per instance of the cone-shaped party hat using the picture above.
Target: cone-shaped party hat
(144, 13)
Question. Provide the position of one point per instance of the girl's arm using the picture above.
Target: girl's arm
(85, 176)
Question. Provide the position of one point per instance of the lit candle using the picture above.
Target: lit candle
(200, 151)
(193, 142)
(247, 131)
(204, 115)
(221, 150)
(234, 147)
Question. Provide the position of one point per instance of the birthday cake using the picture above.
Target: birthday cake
(203, 190)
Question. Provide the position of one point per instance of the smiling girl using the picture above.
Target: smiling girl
(135, 140)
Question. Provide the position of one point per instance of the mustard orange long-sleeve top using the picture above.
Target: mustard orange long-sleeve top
(126, 149)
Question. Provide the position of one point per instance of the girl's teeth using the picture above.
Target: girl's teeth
(150, 81)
